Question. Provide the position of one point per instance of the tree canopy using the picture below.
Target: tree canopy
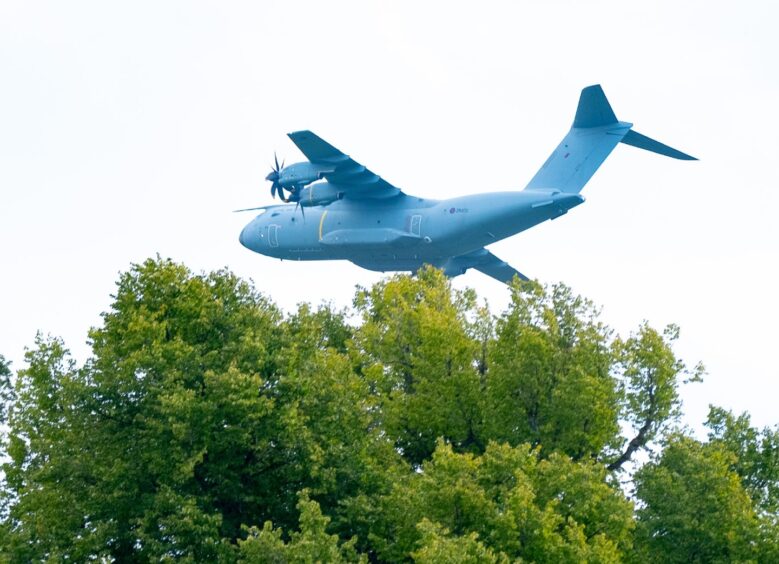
(208, 425)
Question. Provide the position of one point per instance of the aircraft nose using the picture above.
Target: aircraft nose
(244, 236)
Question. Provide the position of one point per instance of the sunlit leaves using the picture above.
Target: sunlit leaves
(209, 426)
(549, 381)
(311, 543)
(508, 503)
(694, 508)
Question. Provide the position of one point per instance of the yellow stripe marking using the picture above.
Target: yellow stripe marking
(321, 223)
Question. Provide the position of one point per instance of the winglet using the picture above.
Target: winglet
(594, 109)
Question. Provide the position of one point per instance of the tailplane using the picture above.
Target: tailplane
(594, 134)
(643, 142)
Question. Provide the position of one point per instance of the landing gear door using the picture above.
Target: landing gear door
(273, 235)
(416, 225)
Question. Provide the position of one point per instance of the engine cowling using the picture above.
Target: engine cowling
(297, 175)
(319, 194)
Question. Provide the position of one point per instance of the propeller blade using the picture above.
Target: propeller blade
(302, 209)
(274, 176)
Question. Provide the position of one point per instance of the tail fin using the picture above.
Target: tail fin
(594, 134)
(594, 109)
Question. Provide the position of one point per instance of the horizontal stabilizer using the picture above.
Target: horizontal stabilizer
(643, 142)
(499, 270)
(485, 262)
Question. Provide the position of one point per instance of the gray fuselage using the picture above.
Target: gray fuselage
(403, 232)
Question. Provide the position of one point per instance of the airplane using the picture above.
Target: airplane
(347, 212)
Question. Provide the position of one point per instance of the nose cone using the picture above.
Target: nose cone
(244, 236)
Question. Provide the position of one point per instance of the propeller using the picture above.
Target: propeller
(274, 176)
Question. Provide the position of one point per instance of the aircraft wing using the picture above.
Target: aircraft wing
(343, 171)
(486, 263)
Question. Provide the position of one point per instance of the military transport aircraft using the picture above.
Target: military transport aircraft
(336, 209)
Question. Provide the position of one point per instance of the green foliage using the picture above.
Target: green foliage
(416, 425)
(509, 502)
(437, 545)
(6, 390)
(549, 382)
(649, 375)
(420, 359)
(7, 399)
(199, 411)
(694, 507)
(311, 543)
(755, 452)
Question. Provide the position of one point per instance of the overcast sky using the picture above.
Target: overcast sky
(130, 129)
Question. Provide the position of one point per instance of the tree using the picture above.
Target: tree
(141, 453)
(7, 398)
(755, 459)
(549, 381)
(437, 545)
(6, 390)
(507, 502)
(209, 426)
(649, 374)
(694, 507)
(420, 360)
(199, 411)
(352, 460)
(755, 452)
(311, 543)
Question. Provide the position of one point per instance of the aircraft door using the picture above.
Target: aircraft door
(273, 235)
(416, 225)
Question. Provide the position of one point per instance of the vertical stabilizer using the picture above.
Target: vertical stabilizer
(594, 109)
(594, 134)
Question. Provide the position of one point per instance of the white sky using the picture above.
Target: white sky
(129, 129)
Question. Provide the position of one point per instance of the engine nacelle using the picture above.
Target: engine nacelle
(297, 175)
(319, 194)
